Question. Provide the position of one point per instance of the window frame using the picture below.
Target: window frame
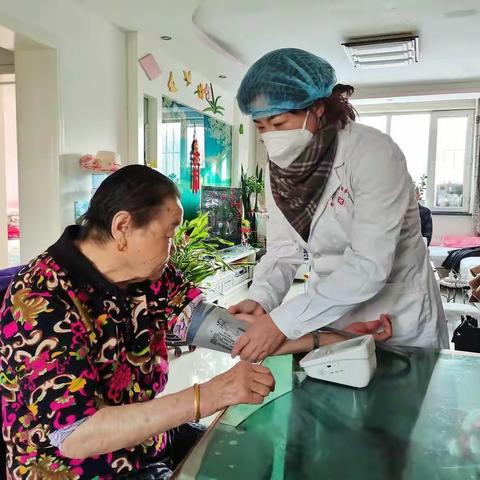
(469, 167)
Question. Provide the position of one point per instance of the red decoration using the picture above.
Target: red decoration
(195, 163)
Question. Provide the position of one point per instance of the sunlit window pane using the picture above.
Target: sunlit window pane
(450, 161)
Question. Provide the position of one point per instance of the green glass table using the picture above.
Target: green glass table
(419, 418)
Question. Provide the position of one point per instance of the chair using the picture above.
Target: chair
(6, 276)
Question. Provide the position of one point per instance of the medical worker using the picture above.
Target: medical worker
(341, 191)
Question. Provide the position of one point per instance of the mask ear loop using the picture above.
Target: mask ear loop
(305, 121)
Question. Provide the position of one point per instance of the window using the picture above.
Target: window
(376, 121)
(150, 131)
(437, 145)
(171, 148)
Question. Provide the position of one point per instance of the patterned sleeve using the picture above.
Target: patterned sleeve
(45, 344)
(182, 297)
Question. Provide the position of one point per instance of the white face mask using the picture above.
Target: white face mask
(284, 146)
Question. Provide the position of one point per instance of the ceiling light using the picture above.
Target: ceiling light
(222, 76)
(166, 37)
(384, 51)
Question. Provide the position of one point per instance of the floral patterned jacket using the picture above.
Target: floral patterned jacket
(72, 343)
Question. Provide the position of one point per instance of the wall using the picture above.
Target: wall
(451, 225)
(140, 45)
(7, 92)
(92, 84)
(3, 191)
(38, 118)
(167, 62)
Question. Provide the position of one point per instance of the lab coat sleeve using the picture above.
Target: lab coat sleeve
(381, 191)
(276, 270)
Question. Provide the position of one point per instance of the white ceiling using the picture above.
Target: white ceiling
(226, 36)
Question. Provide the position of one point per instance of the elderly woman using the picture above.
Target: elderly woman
(83, 354)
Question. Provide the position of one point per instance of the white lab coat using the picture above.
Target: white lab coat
(366, 250)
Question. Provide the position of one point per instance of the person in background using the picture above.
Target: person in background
(426, 222)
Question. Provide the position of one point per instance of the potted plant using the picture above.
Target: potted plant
(252, 185)
(193, 255)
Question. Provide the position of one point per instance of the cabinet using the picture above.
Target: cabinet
(227, 287)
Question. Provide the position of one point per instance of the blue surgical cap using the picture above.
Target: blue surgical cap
(284, 80)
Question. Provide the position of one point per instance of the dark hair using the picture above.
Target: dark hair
(136, 189)
(342, 89)
(338, 110)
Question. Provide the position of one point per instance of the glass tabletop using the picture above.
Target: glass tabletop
(419, 418)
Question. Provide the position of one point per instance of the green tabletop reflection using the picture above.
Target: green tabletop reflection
(419, 418)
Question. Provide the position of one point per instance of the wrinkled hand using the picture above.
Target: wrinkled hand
(261, 339)
(380, 329)
(243, 383)
(250, 307)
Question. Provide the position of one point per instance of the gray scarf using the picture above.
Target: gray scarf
(297, 189)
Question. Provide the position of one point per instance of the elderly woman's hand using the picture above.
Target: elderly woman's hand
(381, 329)
(243, 383)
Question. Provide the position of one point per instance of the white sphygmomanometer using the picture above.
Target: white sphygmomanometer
(351, 362)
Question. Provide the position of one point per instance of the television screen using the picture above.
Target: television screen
(224, 207)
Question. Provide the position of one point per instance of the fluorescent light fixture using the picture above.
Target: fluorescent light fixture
(384, 51)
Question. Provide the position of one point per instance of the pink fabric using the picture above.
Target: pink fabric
(13, 232)
(89, 162)
(453, 241)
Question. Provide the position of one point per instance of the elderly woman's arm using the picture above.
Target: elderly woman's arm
(113, 428)
(126, 426)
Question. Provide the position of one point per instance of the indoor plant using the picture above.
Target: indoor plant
(193, 255)
(252, 185)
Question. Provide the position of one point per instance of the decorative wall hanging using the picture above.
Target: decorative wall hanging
(187, 77)
(150, 66)
(200, 91)
(103, 161)
(214, 106)
(172, 87)
(208, 92)
(195, 163)
(215, 146)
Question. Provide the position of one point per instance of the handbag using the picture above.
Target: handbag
(466, 336)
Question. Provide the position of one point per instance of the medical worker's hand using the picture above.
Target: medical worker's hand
(380, 329)
(247, 306)
(261, 339)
